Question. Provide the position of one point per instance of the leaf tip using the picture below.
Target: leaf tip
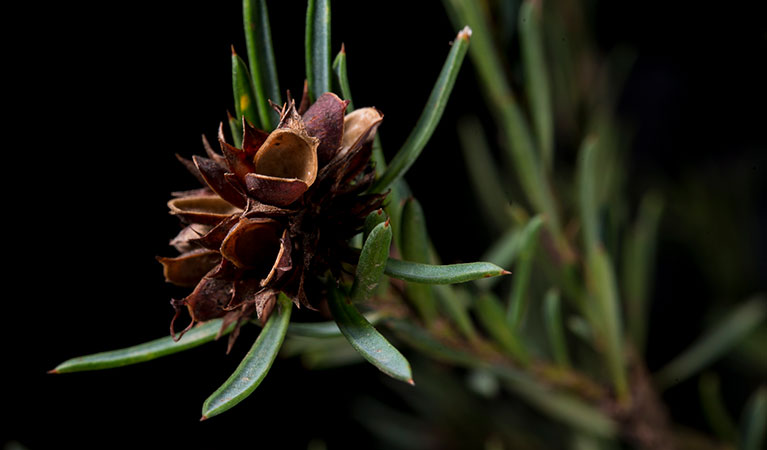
(53, 371)
(410, 382)
(505, 272)
(203, 418)
(464, 34)
(343, 49)
(387, 223)
(234, 53)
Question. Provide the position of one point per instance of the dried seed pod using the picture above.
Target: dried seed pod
(275, 214)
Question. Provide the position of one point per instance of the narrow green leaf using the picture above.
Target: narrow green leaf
(317, 40)
(754, 421)
(491, 314)
(519, 142)
(263, 69)
(371, 221)
(366, 339)
(483, 172)
(244, 95)
(518, 300)
(714, 343)
(587, 195)
(337, 354)
(415, 248)
(400, 191)
(235, 128)
(442, 274)
(555, 331)
(455, 308)
(561, 406)
(504, 251)
(254, 365)
(339, 68)
(601, 279)
(537, 78)
(372, 262)
(148, 351)
(324, 330)
(426, 343)
(714, 409)
(430, 116)
(638, 260)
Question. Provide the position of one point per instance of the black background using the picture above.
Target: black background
(110, 92)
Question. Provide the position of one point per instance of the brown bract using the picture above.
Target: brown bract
(274, 215)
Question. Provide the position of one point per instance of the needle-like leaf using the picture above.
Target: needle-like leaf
(714, 343)
(441, 274)
(258, 38)
(430, 116)
(372, 262)
(339, 69)
(366, 339)
(483, 173)
(415, 248)
(537, 78)
(254, 365)
(491, 314)
(754, 421)
(144, 352)
(518, 301)
(317, 40)
(242, 87)
(323, 329)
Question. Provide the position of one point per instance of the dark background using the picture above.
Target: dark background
(110, 92)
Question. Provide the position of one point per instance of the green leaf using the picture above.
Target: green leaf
(430, 116)
(235, 128)
(714, 409)
(483, 172)
(426, 343)
(366, 339)
(371, 221)
(323, 330)
(415, 248)
(254, 365)
(455, 308)
(372, 262)
(560, 406)
(563, 407)
(754, 421)
(638, 260)
(317, 40)
(504, 251)
(491, 314)
(552, 318)
(518, 301)
(258, 38)
(393, 208)
(242, 86)
(714, 343)
(601, 279)
(148, 351)
(537, 78)
(519, 142)
(587, 195)
(339, 68)
(441, 274)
